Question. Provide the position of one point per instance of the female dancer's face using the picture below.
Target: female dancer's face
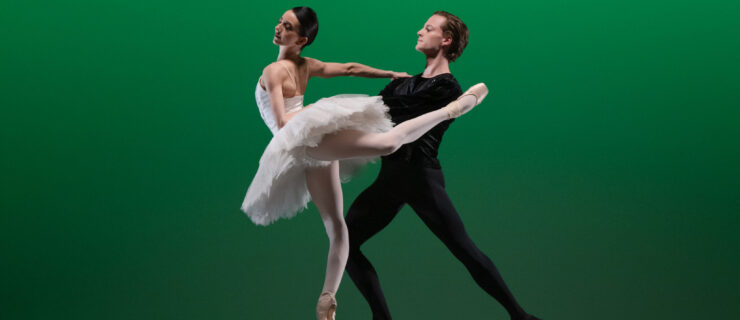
(286, 31)
(431, 38)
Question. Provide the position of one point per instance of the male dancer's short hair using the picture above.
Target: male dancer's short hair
(458, 31)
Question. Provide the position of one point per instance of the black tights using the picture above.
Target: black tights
(423, 189)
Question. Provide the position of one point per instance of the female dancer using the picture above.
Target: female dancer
(301, 161)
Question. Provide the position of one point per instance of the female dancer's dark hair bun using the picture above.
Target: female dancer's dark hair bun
(309, 23)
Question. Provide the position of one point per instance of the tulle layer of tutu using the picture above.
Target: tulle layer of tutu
(278, 189)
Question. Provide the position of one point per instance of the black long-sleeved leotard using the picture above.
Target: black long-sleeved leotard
(411, 97)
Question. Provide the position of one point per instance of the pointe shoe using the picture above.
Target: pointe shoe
(326, 307)
(456, 108)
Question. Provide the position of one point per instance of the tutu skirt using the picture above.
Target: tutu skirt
(278, 189)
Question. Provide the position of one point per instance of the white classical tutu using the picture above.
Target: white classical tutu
(278, 189)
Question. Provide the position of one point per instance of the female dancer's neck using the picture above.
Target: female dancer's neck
(436, 65)
(289, 53)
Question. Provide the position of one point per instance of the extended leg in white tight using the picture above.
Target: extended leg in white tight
(352, 143)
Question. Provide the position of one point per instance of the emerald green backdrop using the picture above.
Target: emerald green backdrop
(601, 175)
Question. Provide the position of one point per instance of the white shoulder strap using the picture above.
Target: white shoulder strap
(289, 74)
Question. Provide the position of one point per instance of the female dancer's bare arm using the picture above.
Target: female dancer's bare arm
(350, 69)
(273, 78)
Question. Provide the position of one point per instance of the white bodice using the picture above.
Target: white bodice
(265, 106)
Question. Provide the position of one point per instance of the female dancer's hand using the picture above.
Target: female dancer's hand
(396, 75)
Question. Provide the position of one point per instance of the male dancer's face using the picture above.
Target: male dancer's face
(431, 38)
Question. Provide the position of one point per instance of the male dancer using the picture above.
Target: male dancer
(413, 174)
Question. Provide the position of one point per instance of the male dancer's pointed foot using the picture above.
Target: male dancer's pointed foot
(469, 99)
(327, 306)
